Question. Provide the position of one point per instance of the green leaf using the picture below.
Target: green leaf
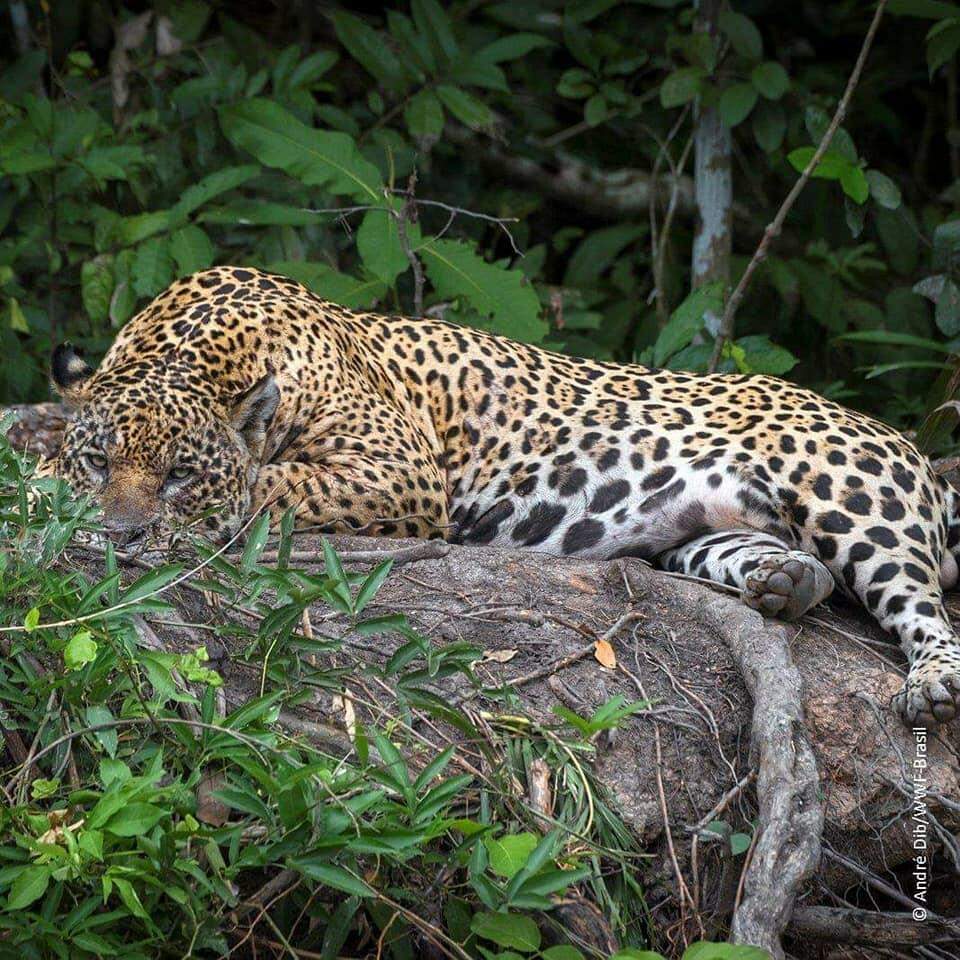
(769, 125)
(152, 269)
(241, 212)
(509, 853)
(817, 122)
(332, 875)
(432, 22)
(739, 843)
(368, 47)
(129, 896)
(687, 321)
(595, 110)
(724, 951)
(30, 884)
(424, 115)
(871, 373)
(98, 715)
(947, 311)
(763, 356)
(502, 296)
(946, 245)
(256, 541)
(891, 338)
(151, 583)
(883, 190)
(598, 252)
(507, 930)
(943, 41)
(191, 249)
(770, 79)
(742, 33)
(831, 166)
(135, 819)
(854, 184)
(562, 951)
(326, 282)
(320, 158)
(465, 107)
(929, 9)
(40, 788)
(371, 585)
(681, 86)
(214, 184)
(512, 47)
(31, 620)
(378, 243)
(96, 287)
(80, 650)
(18, 320)
(736, 102)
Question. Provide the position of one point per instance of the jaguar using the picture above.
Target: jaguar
(237, 391)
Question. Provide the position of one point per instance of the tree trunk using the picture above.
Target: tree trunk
(713, 184)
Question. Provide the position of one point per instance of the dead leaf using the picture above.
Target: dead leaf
(498, 656)
(59, 826)
(604, 654)
(345, 703)
(167, 41)
(211, 810)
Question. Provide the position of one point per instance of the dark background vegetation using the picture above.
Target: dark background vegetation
(112, 117)
(521, 166)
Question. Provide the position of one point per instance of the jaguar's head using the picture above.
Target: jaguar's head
(155, 447)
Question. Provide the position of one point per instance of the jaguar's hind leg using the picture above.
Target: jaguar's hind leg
(772, 577)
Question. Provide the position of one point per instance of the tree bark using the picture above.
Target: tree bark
(713, 184)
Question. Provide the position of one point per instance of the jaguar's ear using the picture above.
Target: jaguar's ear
(252, 412)
(69, 373)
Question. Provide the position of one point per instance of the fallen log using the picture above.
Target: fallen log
(801, 711)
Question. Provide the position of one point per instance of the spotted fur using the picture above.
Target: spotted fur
(237, 388)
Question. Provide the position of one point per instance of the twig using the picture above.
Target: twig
(563, 662)
(501, 222)
(408, 214)
(658, 239)
(723, 802)
(425, 550)
(776, 225)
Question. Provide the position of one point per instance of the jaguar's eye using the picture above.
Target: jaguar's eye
(180, 473)
(96, 460)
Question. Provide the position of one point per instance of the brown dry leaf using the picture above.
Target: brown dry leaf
(59, 826)
(345, 703)
(604, 654)
(498, 656)
(211, 810)
(167, 41)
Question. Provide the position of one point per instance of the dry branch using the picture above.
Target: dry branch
(876, 929)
